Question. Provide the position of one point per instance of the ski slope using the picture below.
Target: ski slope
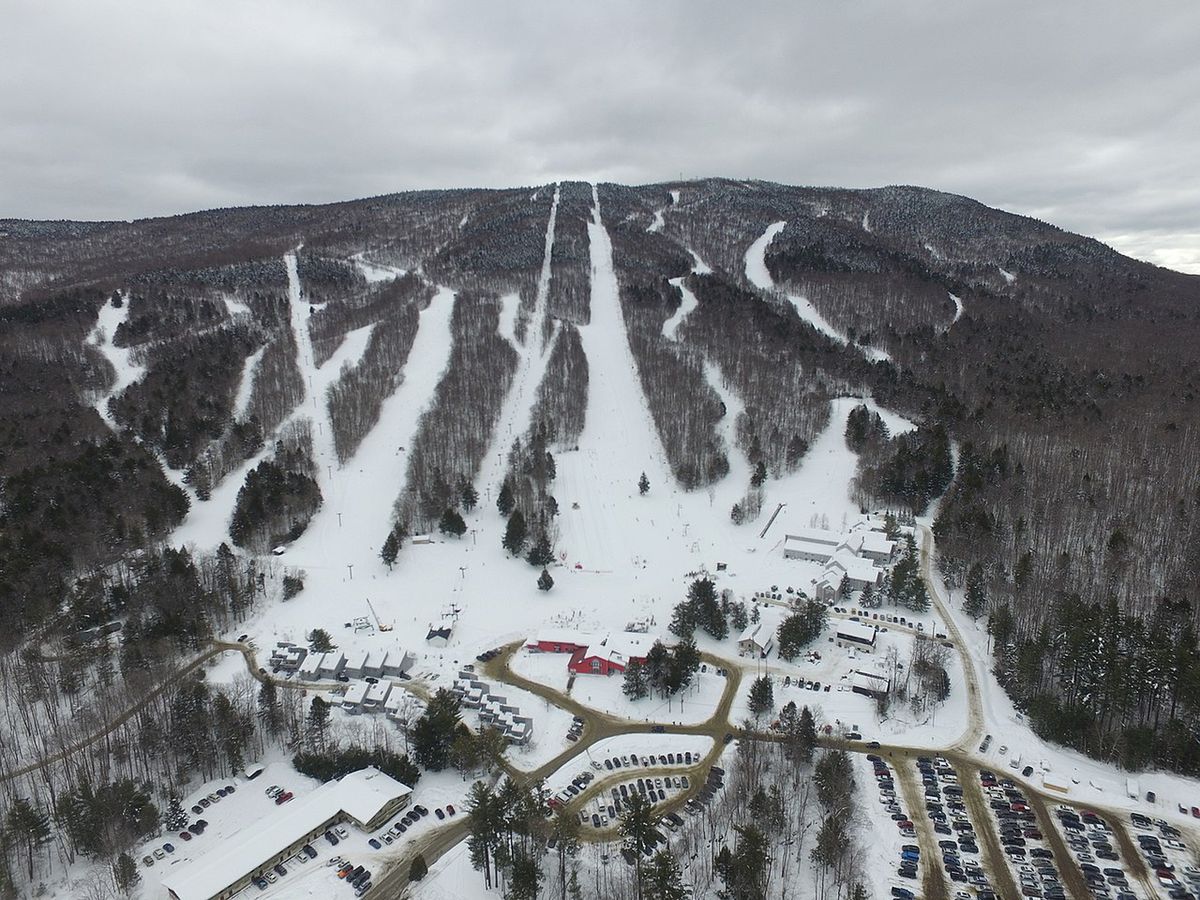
(760, 277)
(120, 358)
(612, 527)
(534, 355)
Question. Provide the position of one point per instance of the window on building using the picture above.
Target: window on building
(595, 665)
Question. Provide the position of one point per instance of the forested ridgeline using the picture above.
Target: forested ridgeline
(570, 259)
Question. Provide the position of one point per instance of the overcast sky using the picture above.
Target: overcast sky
(1086, 114)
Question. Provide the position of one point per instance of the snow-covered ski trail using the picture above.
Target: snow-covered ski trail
(958, 309)
(760, 277)
(821, 486)
(611, 529)
(375, 272)
(207, 522)
(356, 512)
(517, 410)
(119, 358)
(246, 386)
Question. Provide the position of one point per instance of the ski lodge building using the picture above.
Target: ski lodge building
(366, 798)
(612, 654)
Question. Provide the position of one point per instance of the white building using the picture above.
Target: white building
(858, 572)
(439, 636)
(356, 693)
(857, 634)
(310, 669)
(813, 544)
(366, 798)
(356, 663)
(332, 664)
(758, 638)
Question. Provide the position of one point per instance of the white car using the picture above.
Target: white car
(270, 876)
(342, 832)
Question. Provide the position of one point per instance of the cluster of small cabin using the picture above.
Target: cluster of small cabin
(852, 560)
(493, 709)
(592, 654)
(391, 662)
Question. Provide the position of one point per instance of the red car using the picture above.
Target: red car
(1196, 812)
(450, 809)
(284, 798)
(185, 836)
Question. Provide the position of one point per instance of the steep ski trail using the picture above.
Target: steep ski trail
(760, 277)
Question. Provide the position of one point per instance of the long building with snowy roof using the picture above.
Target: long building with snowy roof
(366, 798)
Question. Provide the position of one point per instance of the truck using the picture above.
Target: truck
(1015, 762)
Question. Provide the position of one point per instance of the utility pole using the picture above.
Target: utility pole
(350, 566)
(339, 515)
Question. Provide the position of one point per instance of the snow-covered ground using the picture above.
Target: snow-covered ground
(958, 308)
(760, 277)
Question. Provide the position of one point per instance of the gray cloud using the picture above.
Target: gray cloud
(1080, 113)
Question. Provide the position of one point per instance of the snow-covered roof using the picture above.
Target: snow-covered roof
(360, 795)
(357, 659)
(764, 630)
(377, 693)
(856, 631)
(855, 567)
(870, 681)
(562, 636)
(355, 693)
(816, 536)
(624, 645)
(876, 542)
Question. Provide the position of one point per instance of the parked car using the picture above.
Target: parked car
(438, 812)
(147, 861)
(283, 798)
(450, 809)
(375, 844)
(280, 869)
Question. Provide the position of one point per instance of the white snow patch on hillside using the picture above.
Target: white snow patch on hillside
(375, 272)
(670, 328)
(236, 307)
(658, 223)
(1008, 276)
(121, 358)
(674, 197)
(510, 305)
(760, 277)
(699, 266)
(734, 484)
(958, 308)
(246, 386)
(866, 222)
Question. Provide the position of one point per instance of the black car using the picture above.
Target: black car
(332, 838)
(280, 870)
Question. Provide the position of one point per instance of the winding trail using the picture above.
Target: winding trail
(760, 276)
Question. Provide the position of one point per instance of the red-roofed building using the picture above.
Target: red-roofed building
(611, 655)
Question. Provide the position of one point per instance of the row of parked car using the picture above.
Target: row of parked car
(357, 877)
(268, 877)
(401, 825)
(215, 797)
(1179, 884)
(910, 854)
(1091, 840)
(947, 813)
(279, 795)
(1021, 837)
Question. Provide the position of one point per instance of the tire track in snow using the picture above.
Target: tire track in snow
(760, 277)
